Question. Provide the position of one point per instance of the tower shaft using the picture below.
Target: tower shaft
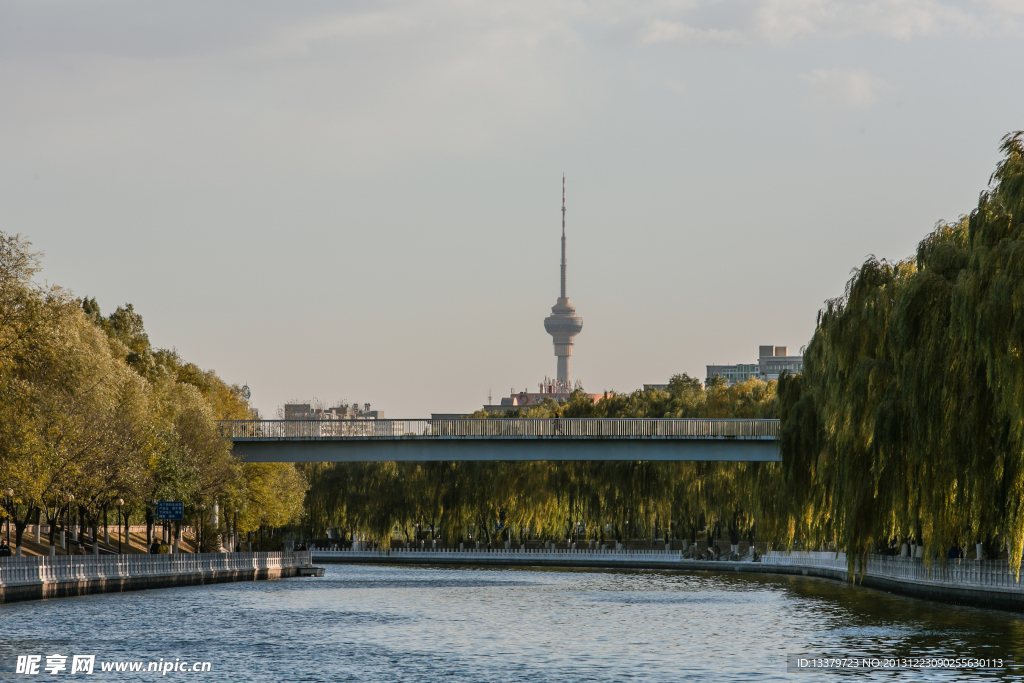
(563, 368)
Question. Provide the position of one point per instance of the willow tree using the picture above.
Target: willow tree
(553, 500)
(908, 421)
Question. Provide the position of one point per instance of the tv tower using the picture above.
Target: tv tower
(563, 324)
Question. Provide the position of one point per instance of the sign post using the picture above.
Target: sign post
(171, 511)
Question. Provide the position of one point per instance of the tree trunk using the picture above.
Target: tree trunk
(52, 527)
(19, 528)
(126, 534)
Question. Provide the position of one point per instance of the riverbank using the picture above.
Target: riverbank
(985, 583)
(42, 578)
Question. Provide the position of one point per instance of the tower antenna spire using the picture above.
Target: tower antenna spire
(563, 236)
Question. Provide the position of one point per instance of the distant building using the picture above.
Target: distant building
(342, 411)
(555, 389)
(772, 361)
(734, 374)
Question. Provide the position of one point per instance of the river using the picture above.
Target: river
(377, 623)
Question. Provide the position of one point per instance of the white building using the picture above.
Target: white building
(771, 362)
(734, 374)
(343, 411)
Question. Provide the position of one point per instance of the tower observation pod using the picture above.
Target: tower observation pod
(563, 324)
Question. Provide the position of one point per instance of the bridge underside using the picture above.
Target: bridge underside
(494, 450)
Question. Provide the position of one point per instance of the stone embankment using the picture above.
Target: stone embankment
(39, 578)
(978, 583)
(984, 583)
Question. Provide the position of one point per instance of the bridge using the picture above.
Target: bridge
(503, 439)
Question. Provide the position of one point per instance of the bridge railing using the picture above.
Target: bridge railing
(511, 428)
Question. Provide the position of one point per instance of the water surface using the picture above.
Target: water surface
(369, 623)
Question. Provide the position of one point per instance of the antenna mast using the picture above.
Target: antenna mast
(563, 236)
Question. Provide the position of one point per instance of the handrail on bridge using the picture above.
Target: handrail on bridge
(501, 428)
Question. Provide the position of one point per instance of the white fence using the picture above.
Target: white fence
(33, 531)
(16, 571)
(970, 574)
(44, 529)
(666, 557)
(827, 560)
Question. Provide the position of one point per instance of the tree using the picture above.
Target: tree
(908, 422)
(89, 409)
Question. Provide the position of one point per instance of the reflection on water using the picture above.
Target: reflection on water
(365, 623)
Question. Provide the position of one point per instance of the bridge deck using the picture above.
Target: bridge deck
(503, 439)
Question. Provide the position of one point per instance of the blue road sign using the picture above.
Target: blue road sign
(170, 509)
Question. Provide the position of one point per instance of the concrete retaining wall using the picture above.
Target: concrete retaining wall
(987, 583)
(984, 583)
(39, 578)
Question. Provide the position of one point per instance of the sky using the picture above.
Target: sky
(361, 201)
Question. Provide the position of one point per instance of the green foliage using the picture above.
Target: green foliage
(89, 408)
(547, 499)
(273, 496)
(909, 419)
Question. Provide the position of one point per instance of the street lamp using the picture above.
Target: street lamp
(201, 529)
(120, 527)
(153, 509)
(9, 493)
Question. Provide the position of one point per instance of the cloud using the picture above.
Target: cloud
(785, 21)
(665, 31)
(845, 88)
(190, 28)
(311, 88)
(369, 80)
